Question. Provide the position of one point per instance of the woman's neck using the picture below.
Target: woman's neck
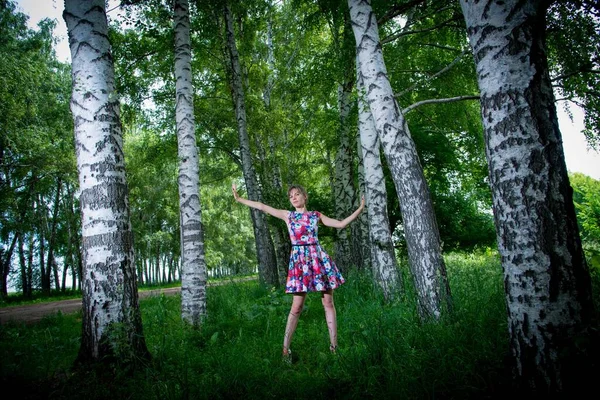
(301, 209)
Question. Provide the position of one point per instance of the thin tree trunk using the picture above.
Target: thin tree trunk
(42, 227)
(5, 258)
(264, 245)
(343, 182)
(271, 166)
(51, 266)
(360, 235)
(193, 283)
(63, 285)
(23, 267)
(420, 226)
(30, 266)
(74, 239)
(547, 281)
(383, 258)
(112, 322)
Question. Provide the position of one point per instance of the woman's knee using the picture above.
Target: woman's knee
(297, 305)
(327, 302)
(296, 309)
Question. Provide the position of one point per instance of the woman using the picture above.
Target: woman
(310, 267)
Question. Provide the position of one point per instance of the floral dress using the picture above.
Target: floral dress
(310, 268)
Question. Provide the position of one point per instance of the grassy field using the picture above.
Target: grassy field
(384, 351)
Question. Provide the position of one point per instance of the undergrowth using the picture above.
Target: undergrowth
(384, 349)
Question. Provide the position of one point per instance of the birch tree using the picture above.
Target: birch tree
(347, 249)
(383, 259)
(271, 167)
(547, 282)
(264, 244)
(343, 182)
(112, 322)
(420, 226)
(362, 236)
(193, 268)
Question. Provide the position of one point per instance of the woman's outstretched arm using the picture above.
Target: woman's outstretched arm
(282, 214)
(334, 223)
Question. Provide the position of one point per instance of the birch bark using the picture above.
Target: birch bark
(343, 182)
(265, 252)
(193, 277)
(271, 167)
(422, 235)
(360, 235)
(110, 298)
(383, 259)
(547, 282)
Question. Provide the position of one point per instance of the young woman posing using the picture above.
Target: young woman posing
(310, 268)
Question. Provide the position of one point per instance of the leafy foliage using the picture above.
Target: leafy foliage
(574, 52)
(37, 155)
(587, 207)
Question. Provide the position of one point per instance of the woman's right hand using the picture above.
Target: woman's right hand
(236, 196)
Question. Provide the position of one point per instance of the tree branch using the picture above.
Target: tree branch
(402, 32)
(398, 9)
(570, 74)
(440, 72)
(433, 101)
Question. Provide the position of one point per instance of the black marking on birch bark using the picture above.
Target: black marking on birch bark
(107, 195)
(486, 9)
(365, 38)
(87, 95)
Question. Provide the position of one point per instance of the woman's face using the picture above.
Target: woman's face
(297, 199)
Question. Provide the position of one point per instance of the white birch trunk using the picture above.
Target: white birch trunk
(343, 182)
(279, 232)
(360, 236)
(193, 277)
(546, 278)
(383, 258)
(420, 226)
(264, 245)
(109, 278)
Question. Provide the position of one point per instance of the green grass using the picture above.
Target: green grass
(384, 351)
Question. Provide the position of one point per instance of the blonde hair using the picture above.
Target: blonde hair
(298, 188)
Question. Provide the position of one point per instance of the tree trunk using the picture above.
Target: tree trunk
(420, 226)
(383, 258)
(30, 267)
(52, 239)
(264, 245)
(343, 181)
(547, 282)
(42, 227)
(193, 282)
(5, 265)
(360, 235)
(271, 166)
(112, 322)
(23, 267)
(75, 239)
(66, 265)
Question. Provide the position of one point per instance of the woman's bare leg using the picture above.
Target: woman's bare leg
(330, 317)
(292, 322)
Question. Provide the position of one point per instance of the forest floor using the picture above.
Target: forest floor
(32, 313)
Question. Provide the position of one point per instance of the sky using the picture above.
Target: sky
(577, 155)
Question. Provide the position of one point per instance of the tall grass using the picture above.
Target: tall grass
(384, 350)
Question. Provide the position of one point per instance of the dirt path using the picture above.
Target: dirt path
(31, 313)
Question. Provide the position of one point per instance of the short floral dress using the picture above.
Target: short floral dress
(310, 268)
